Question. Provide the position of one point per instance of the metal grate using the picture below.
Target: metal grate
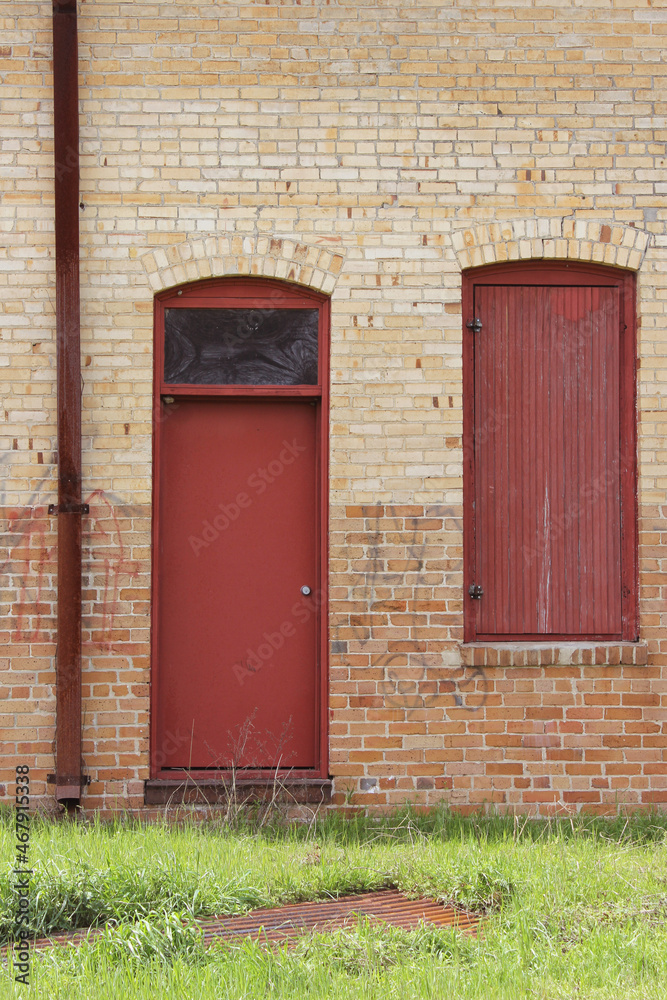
(282, 924)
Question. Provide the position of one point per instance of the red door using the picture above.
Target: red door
(237, 643)
(239, 637)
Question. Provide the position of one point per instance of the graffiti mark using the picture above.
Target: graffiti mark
(467, 682)
(106, 545)
(468, 689)
(377, 575)
(27, 570)
(28, 560)
(36, 498)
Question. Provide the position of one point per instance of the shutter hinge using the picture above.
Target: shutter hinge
(475, 325)
(475, 591)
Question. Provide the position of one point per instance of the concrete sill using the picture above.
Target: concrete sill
(542, 654)
(287, 790)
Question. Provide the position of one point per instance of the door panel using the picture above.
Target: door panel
(237, 641)
(547, 460)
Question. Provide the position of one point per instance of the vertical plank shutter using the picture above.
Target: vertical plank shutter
(547, 544)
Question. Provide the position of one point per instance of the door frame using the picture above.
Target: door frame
(558, 273)
(245, 292)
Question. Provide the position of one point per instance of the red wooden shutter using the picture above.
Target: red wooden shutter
(548, 460)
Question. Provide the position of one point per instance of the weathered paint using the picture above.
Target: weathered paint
(553, 473)
(66, 153)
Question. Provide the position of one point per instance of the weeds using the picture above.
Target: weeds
(371, 949)
(160, 938)
(65, 898)
(575, 908)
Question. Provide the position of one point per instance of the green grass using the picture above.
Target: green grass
(575, 908)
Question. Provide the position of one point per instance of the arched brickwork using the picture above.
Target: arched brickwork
(262, 256)
(551, 239)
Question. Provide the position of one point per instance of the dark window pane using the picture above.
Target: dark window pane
(241, 346)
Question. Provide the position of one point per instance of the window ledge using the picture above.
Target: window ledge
(538, 654)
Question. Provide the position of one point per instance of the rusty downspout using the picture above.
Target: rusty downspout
(68, 776)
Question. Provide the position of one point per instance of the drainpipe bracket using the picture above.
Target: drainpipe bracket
(69, 508)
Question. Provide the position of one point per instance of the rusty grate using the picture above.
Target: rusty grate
(282, 924)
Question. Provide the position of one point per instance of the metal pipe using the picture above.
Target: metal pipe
(68, 777)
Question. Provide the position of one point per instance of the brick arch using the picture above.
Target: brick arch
(551, 239)
(261, 256)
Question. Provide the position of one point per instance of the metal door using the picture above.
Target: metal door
(238, 603)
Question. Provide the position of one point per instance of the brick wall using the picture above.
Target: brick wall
(404, 142)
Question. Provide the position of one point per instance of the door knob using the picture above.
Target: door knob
(305, 591)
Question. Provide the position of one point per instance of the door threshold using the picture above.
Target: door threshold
(211, 791)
